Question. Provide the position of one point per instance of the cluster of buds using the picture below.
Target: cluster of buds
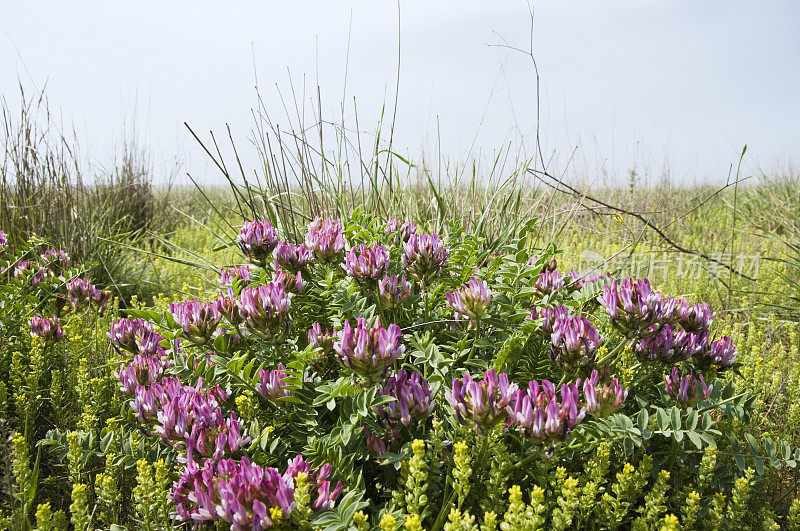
(227, 276)
(265, 311)
(548, 316)
(257, 239)
(198, 319)
(325, 238)
(292, 282)
(602, 398)
(548, 283)
(402, 231)
(366, 264)
(573, 342)
(291, 257)
(272, 385)
(671, 345)
(471, 302)
(369, 352)
(537, 413)
(413, 400)
(482, 404)
(321, 340)
(49, 329)
(248, 496)
(55, 260)
(632, 306)
(685, 390)
(83, 293)
(135, 336)
(393, 290)
(424, 258)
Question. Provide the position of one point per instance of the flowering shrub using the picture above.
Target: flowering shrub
(377, 376)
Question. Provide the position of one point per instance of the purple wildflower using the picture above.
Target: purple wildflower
(602, 398)
(243, 493)
(198, 319)
(369, 352)
(265, 311)
(424, 258)
(393, 290)
(694, 318)
(229, 275)
(481, 404)
(321, 340)
(671, 345)
(143, 370)
(292, 282)
(471, 301)
(3, 241)
(721, 353)
(54, 259)
(413, 400)
(537, 413)
(401, 231)
(632, 306)
(366, 264)
(685, 390)
(49, 329)
(291, 257)
(257, 239)
(548, 283)
(325, 238)
(271, 384)
(549, 316)
(573, 342)
(124, 334)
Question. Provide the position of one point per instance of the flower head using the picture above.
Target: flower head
(548, 283)
(229, 275)
(3, 241)
(413, 400)
(424, 258)
(694, 318)
(55, 259)
(671, 345)
(82, 293)
(48, 329)
(393, 290)
(721, 353)
(366, 264)
(369, 352)
(198, 319)
(632, 306)
(257, 239)
(685, 390)
(325, 238)
(481, 404)
(271, 384)
(471, 302)
(291, 257)
(573, 342)
(602, 398)
(537, 413)
(401, 231)
(265, 311)
(292, 282)
(321, 340)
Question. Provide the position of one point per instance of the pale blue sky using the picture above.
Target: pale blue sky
(632, 83)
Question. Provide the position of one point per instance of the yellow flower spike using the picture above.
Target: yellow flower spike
(388, 523)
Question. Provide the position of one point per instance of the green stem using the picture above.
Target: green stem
(475, 339)
(613, 354)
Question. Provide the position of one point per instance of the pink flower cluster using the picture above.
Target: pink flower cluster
(369, 352)
(257, 239)
(49, 329)
(325, 238)
(366, 265)
(246, 495)
(471, 302)
(424, 258)
(83, 293)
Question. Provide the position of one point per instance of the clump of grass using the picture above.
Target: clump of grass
(45, 191)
